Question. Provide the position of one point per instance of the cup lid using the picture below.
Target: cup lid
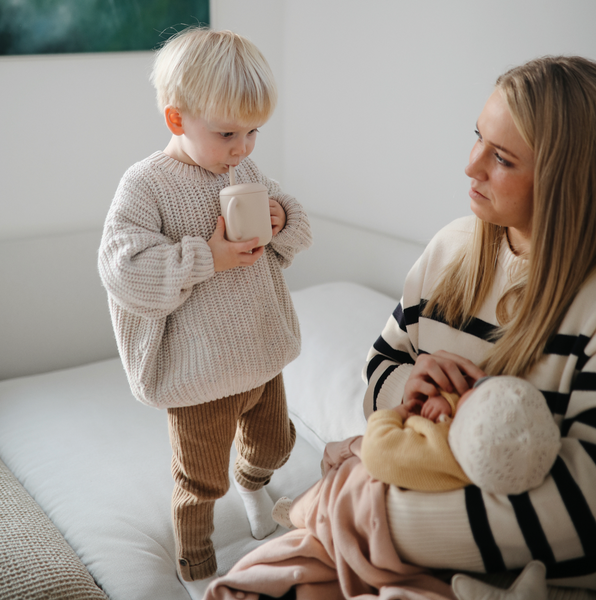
(243, 188)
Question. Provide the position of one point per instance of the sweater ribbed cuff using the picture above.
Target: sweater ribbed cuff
(392, 392)
(203, 267)
(296, 234)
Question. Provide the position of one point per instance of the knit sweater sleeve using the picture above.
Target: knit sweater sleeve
(296, 235)
(415, 456)
(144, 271)
(392, 356)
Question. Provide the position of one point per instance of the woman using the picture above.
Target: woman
(511, 290)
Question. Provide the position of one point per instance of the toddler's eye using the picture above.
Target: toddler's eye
(225, 134)
(253, 131)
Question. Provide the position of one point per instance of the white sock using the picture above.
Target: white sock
(196, 589)
(258, 507)
(281, 512)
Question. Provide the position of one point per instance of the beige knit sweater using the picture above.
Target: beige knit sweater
(186, 334)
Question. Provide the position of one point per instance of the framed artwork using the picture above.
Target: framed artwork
(73, 26)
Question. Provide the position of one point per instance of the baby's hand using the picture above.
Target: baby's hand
(408, 409)
(434, 407)
(278, 216)
(227, 255)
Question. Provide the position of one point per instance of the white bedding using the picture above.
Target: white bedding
(98, 462)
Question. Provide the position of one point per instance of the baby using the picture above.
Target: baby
(502, 438)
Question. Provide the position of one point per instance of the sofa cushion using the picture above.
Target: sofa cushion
(35, 560)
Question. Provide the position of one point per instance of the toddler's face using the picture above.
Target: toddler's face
(215, 145)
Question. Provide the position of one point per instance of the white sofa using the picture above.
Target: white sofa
(81, 454)
(86, 467)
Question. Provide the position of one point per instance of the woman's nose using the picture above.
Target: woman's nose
(475, 168)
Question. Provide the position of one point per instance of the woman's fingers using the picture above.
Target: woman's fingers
(459, 369)
(440, 370)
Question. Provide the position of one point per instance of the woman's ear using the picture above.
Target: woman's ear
(173, 120)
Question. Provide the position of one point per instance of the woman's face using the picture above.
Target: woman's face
(501, 168)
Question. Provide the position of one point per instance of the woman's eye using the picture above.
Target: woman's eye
(477, 134)
(501, 160)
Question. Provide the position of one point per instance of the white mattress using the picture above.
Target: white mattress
(98, 462)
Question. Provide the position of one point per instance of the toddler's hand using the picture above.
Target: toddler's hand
(278, 216)
(227, 255)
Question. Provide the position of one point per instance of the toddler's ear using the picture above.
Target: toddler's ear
(173, 120)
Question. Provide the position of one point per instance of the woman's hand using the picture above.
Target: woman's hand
(440, 370)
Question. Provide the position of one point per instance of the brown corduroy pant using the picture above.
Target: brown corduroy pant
(201, 438)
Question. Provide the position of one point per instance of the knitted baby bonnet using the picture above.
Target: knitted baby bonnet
(504, 436)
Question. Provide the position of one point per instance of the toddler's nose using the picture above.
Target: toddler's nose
(239, 148)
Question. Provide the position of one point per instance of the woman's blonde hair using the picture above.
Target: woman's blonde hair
(217, 75)
(553, 104)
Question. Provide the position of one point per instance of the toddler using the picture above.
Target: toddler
(205, 326)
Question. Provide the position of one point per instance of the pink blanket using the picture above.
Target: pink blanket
(342, 548)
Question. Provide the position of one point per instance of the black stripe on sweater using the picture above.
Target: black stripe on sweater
(577, 567)
(412, 313)
(380, 383)
(568, 345)
(373, 364)
(531, 529)
(398, 356)
(483, 536)
(576, 505)
(398, 315)
(588, 417)
(557, 402)
(476, 327)
(585, 382)
(590, 449)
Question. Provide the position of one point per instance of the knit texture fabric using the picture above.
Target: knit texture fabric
(414, 455)
(35, 560)
(201, 438)
(186, 334)
(504, 436)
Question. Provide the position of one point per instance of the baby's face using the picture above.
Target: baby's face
(464, 397)
(216, 145)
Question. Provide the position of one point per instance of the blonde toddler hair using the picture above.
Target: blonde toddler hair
(215, 75)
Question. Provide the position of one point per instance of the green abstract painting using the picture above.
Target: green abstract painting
(72, 26)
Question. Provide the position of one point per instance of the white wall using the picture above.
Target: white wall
(375, 122)
(71, 125)
(381, 97)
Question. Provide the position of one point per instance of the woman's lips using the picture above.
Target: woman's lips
(476, 195)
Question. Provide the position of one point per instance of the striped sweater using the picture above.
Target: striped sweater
(468, 529)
